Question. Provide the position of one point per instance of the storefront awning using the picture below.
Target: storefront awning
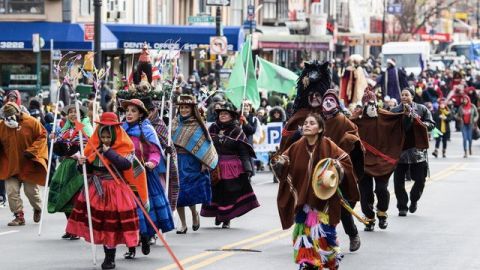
(294, 42)
(66, 36)
(187, 38)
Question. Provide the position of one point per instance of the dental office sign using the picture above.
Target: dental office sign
(167, 46)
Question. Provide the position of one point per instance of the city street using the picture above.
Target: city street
(442, 234)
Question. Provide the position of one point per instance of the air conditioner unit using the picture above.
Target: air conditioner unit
(121, 15)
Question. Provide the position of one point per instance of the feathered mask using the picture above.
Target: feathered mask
(315, 77)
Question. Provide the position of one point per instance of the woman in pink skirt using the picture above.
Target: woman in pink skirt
(113, 207)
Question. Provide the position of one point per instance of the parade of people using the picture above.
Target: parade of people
(307, 135)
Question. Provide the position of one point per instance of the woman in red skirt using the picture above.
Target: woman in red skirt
(114, 214)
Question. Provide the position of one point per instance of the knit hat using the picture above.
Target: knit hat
(411, 90)
(391, 61)
(10, 109)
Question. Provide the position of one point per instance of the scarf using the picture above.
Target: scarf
(122, 145)
(143, 129)
(189, 134)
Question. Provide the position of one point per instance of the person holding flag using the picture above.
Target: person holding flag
(114, 215)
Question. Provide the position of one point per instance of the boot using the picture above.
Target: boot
(382, 222)
(37, 214)
(109, 262)
(470, 150)
(130, 254)
(435, 153)
(354, 243)
(19, 219)
(444, 153)
(145, 244)
(465, 154)
(370, 227)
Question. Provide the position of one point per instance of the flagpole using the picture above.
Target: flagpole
(246, 73)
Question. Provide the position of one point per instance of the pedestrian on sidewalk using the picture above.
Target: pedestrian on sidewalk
(23, 160)
(196, 156)
(442, 118)
(413, 157)
(232, 193)
(315, 218)
(67, 181)
(112, 203)
(467, 115)
(148, 150)
(344, 133)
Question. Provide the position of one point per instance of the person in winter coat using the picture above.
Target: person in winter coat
(467, 115)
(442, 118)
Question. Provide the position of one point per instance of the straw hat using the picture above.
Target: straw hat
(108, 119)
(10, 108)
(325, 179)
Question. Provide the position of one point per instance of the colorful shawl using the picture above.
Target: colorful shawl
(146, 129)
(232, 131)
(173, 184)
(190, 135)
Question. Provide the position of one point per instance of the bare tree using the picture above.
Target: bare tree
(415, 14)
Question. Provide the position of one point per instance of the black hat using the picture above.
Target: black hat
(228, 107)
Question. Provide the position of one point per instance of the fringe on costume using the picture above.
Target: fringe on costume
(315, 241)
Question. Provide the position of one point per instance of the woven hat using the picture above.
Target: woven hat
(108, 119)
(186, 100)
(325, 179)
(10, 108)
(227, 107)
(135, 102)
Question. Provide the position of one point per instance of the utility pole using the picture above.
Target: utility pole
(219, 32)
(383, 20)
(478, 18)
(98, 34)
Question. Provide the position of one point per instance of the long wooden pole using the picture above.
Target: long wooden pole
(85, 184)
(49, 165)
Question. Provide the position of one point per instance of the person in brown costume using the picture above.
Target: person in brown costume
(344, 133)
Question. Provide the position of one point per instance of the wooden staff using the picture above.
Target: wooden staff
(49, 165)
(85, 183)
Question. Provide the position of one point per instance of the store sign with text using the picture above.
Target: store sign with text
(167, 46)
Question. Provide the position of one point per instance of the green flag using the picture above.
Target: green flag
(276, 78)
(237, 84)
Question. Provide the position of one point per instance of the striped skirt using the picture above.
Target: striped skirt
(114, 216)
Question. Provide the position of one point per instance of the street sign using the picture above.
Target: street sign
(200, 19)
(249, 24)
(56, 54)
(250, 12)
(201, 54)
(394, 9)
(37, 42)
(218, 45)
(218, 2)
(88, 32)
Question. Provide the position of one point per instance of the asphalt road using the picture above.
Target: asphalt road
(442, 234)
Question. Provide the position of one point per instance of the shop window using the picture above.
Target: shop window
(22, 6)
(86, 8)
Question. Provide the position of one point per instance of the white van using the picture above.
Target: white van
(409, 55)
